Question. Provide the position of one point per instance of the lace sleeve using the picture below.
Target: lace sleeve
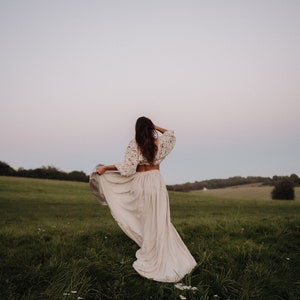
(167, 142)
(128, 166)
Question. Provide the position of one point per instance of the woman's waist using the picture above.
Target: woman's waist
(145, 168)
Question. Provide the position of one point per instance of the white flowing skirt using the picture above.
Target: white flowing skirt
(140, 205)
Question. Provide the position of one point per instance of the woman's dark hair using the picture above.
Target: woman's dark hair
(145, 137)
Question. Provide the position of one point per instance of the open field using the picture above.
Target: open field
(247, 192)
(57, 242)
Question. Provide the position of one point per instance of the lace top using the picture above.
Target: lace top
(133, 156)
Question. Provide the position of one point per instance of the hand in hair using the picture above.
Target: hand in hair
(160, 129)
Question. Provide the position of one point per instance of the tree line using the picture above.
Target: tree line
(45, 172)
(233, 181)
(51, 172)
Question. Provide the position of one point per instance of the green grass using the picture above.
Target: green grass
(56, 239)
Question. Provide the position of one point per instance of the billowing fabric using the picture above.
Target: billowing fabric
(139, 202)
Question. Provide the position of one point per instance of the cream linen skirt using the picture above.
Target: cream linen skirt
(140, 205)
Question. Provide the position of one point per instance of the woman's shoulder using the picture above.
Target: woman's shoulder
(132, 145)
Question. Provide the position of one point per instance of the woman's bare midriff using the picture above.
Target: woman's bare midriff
(145, 168)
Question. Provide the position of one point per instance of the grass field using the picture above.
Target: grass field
(57, 242)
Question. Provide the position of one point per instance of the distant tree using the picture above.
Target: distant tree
(6, 170)
(295, 179)
(283, 190)
(78, 176)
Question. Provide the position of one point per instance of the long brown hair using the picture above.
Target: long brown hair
(145, 137)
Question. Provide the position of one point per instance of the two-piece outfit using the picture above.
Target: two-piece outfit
(139, 202)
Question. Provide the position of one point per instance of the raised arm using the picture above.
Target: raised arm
(160, 129)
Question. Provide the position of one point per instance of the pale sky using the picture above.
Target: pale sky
(224, 75)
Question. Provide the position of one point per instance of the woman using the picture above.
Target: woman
(138, 200)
